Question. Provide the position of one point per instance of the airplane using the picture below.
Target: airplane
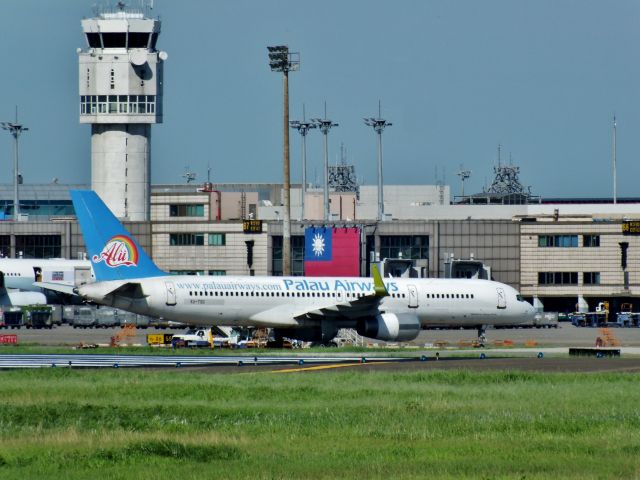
(302, 308)
(18, 275)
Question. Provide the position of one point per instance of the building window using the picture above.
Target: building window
(591, 278)
(186, 239)
(39, 246)
(404, 246)
(557, 278)
(217, 239)
(297, 255)
(5, 245)
(591, 240)
(217, 272)
(186, 210)
(564, 241)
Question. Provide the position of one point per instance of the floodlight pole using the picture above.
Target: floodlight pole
(15, 129)
(303, 127)
(324, 124)
(615, 179)
(464, 175)
(379, 124)
(281, 60)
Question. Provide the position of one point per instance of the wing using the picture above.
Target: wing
(365, 306)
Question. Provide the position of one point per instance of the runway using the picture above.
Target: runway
(326, 363)
(17, 361)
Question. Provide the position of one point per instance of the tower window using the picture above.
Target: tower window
(138, 40)
(112, 80)
(114, 40)
(93, 39)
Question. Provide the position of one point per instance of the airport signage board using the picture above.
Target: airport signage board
(252, 226)
(631, 228)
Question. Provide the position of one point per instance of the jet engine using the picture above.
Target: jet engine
(20, 299)
(322, 333)
(390, 326)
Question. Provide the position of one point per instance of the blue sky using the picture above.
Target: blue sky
(456, 77)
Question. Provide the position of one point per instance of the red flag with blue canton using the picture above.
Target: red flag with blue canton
(332, 252)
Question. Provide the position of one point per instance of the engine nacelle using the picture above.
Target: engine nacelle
(390, 326)
(21, 299)
(322, 333)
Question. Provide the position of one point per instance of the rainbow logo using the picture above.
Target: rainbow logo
(119, 250)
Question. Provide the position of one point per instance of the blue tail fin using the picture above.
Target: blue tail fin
(114, 254)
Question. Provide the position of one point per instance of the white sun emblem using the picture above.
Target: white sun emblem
(318, 244)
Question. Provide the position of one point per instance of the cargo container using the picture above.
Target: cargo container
(107, 317)
(37, 316)
(84, 317)
(12, 317)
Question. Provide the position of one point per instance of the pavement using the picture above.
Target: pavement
(545, 350)
(565, 336)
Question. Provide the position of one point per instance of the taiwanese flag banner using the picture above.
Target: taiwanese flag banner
(332, 252)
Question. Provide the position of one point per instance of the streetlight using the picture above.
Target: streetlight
(379, 124)
(324, 124)
(281, 60)
(303, 127)
(15, 129)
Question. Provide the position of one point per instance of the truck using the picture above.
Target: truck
(194, 337)
(216, 337)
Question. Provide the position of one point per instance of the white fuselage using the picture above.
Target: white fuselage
(21, 273)
(290, 302)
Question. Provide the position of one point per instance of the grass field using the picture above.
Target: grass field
(349, 424)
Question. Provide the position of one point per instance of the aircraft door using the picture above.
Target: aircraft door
(81, 275)
(171, 293)
(413, 296)
(340, 296)
(502, 300)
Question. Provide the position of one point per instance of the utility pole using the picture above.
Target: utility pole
(379, 124)
(281, 60)
(303, 127)
(324, 124)
(15, 129)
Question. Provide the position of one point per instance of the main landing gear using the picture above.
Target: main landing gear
(481, 335)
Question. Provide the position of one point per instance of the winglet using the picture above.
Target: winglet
(378, 284)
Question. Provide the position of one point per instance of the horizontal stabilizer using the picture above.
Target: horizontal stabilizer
(129, 289)
(67, 288)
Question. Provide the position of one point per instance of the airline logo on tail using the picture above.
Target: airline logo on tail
(119, 250)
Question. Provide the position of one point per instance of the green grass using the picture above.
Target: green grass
(129, 423)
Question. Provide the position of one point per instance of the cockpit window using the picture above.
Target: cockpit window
(519, 298)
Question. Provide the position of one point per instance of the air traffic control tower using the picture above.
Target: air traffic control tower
(120, 78)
